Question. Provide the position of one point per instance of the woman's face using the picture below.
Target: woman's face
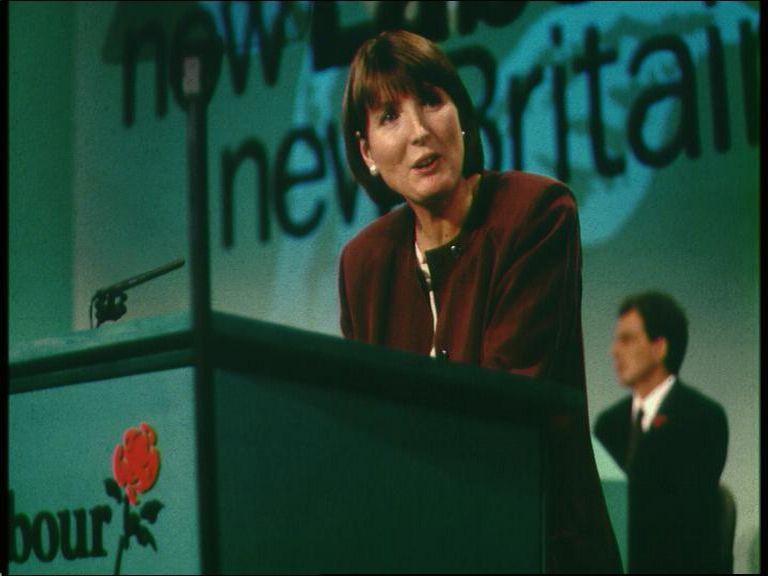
(416, 145)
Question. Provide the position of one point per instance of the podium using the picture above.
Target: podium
(298, 453)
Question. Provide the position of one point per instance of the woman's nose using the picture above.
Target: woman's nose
(419, 130)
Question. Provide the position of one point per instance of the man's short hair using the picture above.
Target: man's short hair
(663, 318)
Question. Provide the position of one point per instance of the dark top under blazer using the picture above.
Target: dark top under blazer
(508, 292)
(673, 481)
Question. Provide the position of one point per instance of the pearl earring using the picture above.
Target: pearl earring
(374, 171)
(463, 132)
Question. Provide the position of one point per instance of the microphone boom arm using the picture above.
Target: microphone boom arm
(110, 301)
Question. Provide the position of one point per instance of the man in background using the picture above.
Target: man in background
(670, 439)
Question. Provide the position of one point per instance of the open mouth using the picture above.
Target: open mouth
(426, 162)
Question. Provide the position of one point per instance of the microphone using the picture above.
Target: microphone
(141, 278)
(110, 301)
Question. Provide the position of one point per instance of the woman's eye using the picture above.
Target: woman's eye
(387, 116)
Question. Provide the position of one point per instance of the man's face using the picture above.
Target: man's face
(635, 356)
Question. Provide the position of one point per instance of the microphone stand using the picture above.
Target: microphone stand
(194, 85)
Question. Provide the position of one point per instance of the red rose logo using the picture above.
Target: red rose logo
(136, 461)
(659, 420)
(135, 464)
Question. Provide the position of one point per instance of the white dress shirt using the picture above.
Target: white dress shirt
(422, 260)
(650, 404)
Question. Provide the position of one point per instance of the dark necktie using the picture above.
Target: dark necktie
(634, 438)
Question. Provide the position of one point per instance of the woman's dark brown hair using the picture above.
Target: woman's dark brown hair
(392, 64)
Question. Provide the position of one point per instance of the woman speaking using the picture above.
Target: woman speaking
(477, 266)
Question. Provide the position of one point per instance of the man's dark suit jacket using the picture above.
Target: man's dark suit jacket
(672, 481)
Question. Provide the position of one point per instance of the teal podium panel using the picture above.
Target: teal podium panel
(287, 452)
(62, 441)
(346, 482)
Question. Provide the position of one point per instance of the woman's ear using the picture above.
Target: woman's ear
(365, 152)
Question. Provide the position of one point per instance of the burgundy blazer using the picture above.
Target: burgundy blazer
(508, 294)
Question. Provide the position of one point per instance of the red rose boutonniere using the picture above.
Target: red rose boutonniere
(659, 420)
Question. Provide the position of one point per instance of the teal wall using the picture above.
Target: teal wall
(93, 201)
(41, 83)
